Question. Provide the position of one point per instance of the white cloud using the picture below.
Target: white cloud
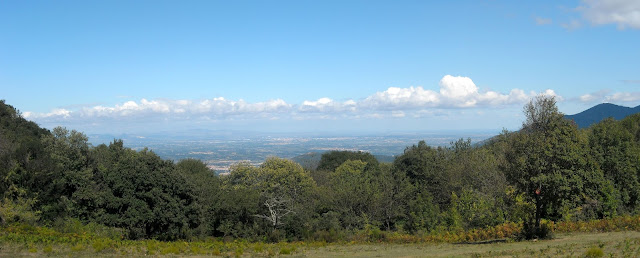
(397, 114)
(327, 105)
(212, 108)
(543, 21)
(623, 13)
(606, 96)
(400, 98)
(623, 97)
(594, 97)
(454, 92)
(457, 87)
(55, 113)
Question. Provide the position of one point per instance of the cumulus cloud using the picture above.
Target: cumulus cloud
(209, 108)
(454, 92)
(623, 13)
(55, 113)
(327, 105)
(400, 98)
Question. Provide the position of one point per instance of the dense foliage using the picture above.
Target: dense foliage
(548, 171)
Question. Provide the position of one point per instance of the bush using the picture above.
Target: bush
(75, 226)
(275, 236)
(529, 231)
(594, 252)
(19, 210)
(326, 236)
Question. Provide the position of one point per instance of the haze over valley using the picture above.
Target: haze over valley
(220, 149)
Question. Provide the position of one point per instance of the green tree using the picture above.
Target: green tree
(330, 161)
(548, 161)
(206, 188)
(426, 168)
(352, 193)
(142, 193)
(24, 164)
(284, 188)
(72, 177)
(617, 154)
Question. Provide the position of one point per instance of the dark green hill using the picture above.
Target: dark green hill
(22, 155)
(599, 112)
(311, 160)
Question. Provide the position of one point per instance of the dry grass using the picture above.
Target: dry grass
(616, 244)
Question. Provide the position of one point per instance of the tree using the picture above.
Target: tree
(426, 168)
(141, 192)
(283, 186)
(330, 161)
(548, 162)
(278, 208)
(24, 163)
(206, 188)
(72, 177)
(614, 150)
(352, 193)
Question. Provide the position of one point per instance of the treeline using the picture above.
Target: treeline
(547, 170)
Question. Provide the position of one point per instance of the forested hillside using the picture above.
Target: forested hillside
(600, 112)
(548, 170)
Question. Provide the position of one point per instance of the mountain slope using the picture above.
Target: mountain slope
(601, 111)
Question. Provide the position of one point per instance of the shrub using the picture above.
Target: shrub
(75, 226)
(78, 247)
(529, 231)
(286, 250)
(326, 236)
(594, 252)
(19, 210)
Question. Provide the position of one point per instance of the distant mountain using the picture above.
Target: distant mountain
(599, 112)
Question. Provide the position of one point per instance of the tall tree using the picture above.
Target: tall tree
(284, 188)
(548, 161)
(426, 168)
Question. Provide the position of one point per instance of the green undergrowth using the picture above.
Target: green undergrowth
(77, 239)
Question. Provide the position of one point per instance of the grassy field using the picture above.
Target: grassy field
(614, 244)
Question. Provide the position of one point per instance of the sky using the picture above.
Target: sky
(311, 66)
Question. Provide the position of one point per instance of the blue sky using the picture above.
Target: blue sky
(375, 66)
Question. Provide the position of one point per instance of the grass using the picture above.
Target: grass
(616, 237)
(616, 244)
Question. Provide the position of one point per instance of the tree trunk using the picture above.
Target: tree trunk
(538, 214)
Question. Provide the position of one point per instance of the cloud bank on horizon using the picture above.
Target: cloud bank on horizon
(456, 92)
